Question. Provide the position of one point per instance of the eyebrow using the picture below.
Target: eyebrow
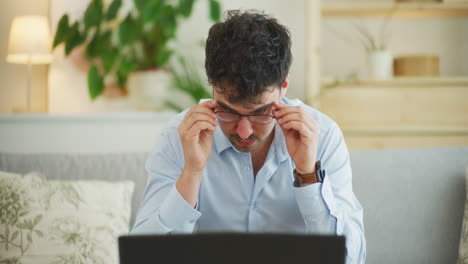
(260, 109)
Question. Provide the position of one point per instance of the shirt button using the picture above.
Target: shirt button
(316, 198)
(246, 168)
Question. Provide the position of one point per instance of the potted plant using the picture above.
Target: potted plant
(127, 48)
(380, 59)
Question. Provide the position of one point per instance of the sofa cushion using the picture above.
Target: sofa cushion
(83, 166)
(413, 202)
(45, 221)
(463, 252)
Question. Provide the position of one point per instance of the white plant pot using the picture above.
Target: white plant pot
(148, 90)
(380, 65)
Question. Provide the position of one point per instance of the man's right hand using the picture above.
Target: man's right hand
(196, 135)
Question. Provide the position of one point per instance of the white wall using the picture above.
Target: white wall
(93, 133)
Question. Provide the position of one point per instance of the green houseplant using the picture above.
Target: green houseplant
(188, 81)
(118, 44)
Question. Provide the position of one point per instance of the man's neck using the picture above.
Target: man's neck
(259, 155)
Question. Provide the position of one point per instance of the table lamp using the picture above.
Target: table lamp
(29, 43)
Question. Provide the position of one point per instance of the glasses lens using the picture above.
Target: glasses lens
(227, 117)
(261, 119)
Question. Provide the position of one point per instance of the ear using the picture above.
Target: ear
(284, 87)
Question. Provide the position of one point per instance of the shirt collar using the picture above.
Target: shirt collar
(221, 141)
(279, 142)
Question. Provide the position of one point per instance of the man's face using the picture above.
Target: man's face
(247, 136)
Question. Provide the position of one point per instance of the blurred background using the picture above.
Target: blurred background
(87, 86)
(391, 73)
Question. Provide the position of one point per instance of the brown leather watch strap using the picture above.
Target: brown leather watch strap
(309, 177)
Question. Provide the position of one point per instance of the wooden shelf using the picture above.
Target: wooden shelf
(401, 10)
(405, 82)
(405, 131)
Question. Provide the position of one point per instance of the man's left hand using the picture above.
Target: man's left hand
(301, 133)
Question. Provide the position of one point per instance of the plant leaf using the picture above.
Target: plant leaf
(185, 7)
(93, 14)
(95, 82)
(215, 10)
(126, 66)
(100, 43)
(140, 5)
(39, 233)
(108, 58)
(163, 56)
(152, 10)
(14, 235)
(74, 39)
(113, 9)
(62, 29)
(168, 21)
(128, 31)
(173, 106)
(70, 194)
(28, 236)
(37, 219)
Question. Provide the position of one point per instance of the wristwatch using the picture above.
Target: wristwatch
(317, 176)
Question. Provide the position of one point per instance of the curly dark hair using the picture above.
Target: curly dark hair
(247, 54)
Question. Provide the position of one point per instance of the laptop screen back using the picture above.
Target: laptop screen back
(232, 248)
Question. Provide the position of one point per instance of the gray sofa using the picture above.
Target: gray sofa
(413, 199)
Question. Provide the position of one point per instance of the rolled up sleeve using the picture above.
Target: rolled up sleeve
(163, 209)
(331, 206)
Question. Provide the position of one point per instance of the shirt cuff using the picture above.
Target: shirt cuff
(310, 200)
(176, 213)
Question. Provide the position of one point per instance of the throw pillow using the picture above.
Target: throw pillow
(54, 221)
(463, 251)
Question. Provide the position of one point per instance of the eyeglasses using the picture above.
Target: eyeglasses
(234, 117)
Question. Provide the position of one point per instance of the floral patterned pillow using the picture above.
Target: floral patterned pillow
(50, 221)
(463, 251)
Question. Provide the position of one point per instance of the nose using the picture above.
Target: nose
(244, 128)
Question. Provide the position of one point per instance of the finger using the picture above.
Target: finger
(208, 104)
(291, 117)
(300, 117)
(199, 126)
(194, 117)
(205, 107)
(279, 113)
(279, 104)
(298, 126)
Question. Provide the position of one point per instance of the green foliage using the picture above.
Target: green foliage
(215, 10)
(95, 82)
(118, 44)
(188, 80)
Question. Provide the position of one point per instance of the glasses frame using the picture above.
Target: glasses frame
(239, 116)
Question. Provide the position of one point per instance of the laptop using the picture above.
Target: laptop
(235, 248)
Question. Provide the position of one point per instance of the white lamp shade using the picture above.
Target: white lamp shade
(30, 40)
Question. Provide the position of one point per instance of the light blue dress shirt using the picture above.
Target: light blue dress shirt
(232, 199)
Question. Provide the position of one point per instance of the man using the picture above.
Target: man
(251, 160)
